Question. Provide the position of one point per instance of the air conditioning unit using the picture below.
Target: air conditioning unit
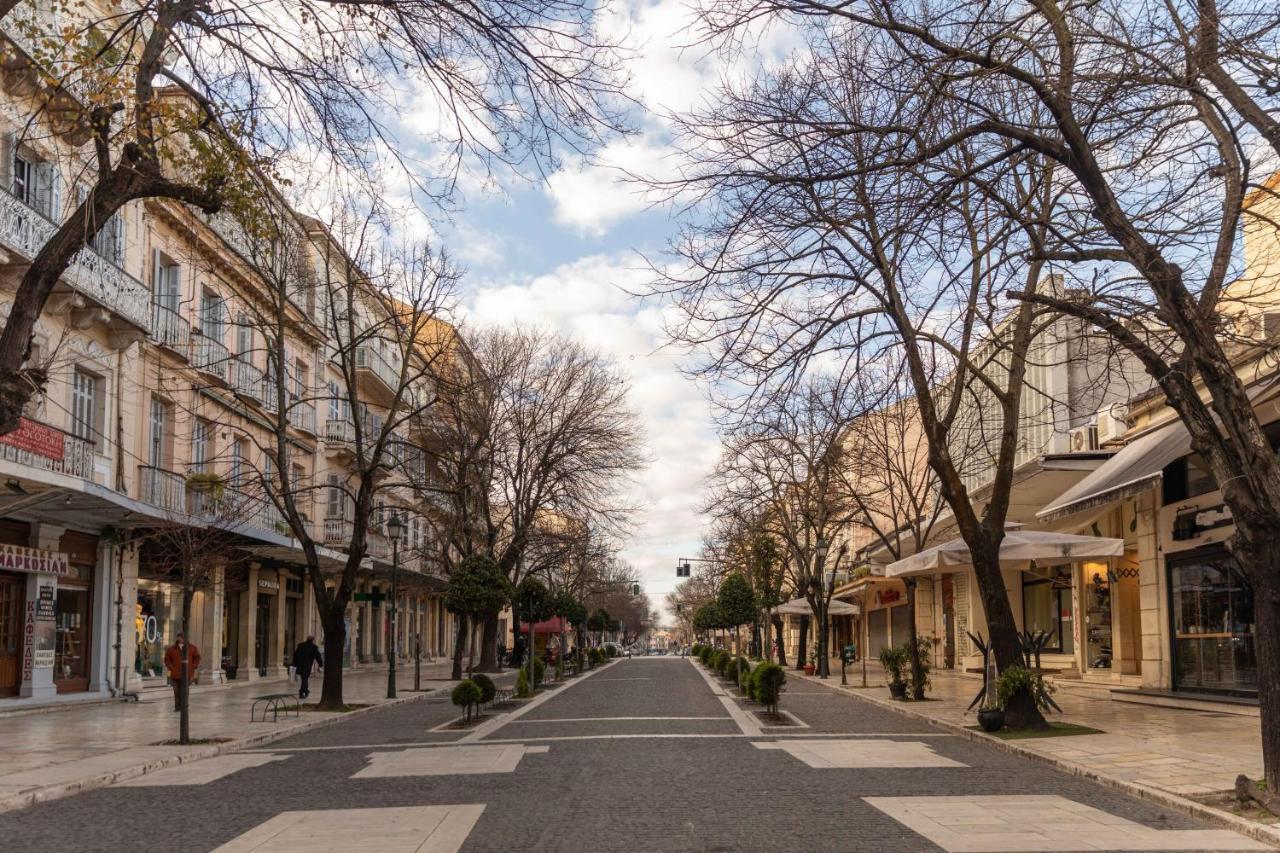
(1083, 438)
(1112, 424)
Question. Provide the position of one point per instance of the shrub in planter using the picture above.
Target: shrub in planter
(749, 681)
(466, 695)
(733, 668)
(720, 661)
(610, 650)
(894, 661)
(539, 671)
(924, 650)
(769, 679)
(522, 682)
(596, 657)
(1017, 678)
(487, 688)
(705, 655)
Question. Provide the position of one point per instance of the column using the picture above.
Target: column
(210, 640)
(276, 666)
(378, 632)
(249, 625)
(129, 625)
(1157, 669)
(104, 619)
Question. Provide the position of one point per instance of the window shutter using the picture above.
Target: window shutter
(55, 211)
(44, 187)
(157, 276)
(7, 146)
(117, 237)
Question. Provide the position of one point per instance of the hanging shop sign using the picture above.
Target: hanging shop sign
(16, 558)
(1188, 524)
(36, 438)
(888, 596)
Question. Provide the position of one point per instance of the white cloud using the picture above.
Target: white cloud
(591, 196)
(588, 301)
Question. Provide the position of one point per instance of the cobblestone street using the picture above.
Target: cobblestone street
(644, 754)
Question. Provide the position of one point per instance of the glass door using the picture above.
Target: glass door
(1098, 622)
(1211, 605)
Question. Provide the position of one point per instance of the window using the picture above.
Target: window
(37, 185)
(1212, 609)
(298, 381)
(24, 179)
(86, 405)
(166, 281)
(107, 241)
(212, 316)
(244, 338)
(334, 498)
(237, 463)
(1046, 606)
(201, 445)
(339, 406)
(160, 447)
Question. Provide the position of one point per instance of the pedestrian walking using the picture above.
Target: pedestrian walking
(173, 658)
(305, 656)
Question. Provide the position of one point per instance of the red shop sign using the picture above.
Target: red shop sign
(36, 438)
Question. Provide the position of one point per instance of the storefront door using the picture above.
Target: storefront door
(1211, 605)
(13, 590)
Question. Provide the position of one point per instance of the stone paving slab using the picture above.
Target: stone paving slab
(424, 829)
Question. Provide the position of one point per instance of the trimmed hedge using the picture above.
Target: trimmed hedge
(720, 660)
(487, 688)
(769, 679)
(466, 695)
(539, 671)
(705, 655)
(522, 682)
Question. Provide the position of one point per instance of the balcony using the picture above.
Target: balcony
(24, 231)
(338, 532)
(379, 375)
(270, 395)
(163, 489)
(339, 436)
(170, 329)
(246, 380)
(210, 356)
(303, 416)
(46, 448)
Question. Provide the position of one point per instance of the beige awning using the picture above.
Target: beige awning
(1137, 467)
(800, 607)
(1017, 551)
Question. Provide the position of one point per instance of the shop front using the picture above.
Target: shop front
(1212, 624)
(157, 621)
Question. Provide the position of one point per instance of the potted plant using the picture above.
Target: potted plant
(206, 483)
(811, 665)
(894, 661)
(990, 717)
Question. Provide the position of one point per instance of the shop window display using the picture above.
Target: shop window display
(1046, 607)
(157, 620)
(1213, 625)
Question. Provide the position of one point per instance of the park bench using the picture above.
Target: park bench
(274, 704)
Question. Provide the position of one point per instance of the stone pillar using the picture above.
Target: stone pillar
(276, 667)
(210, 639)
(129, 627)
(249, 625)
(103, 613)
(39, 621)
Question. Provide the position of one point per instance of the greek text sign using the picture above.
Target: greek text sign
(16, 558)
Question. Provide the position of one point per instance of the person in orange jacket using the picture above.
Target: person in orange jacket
(173, 665)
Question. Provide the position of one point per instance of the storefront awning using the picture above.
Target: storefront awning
(800, 607)
(1017, 551)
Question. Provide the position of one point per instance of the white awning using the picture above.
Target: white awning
(1018, 549)
(800, 607)
(1137, 467)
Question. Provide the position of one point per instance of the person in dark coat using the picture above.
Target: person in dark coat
(304, 657)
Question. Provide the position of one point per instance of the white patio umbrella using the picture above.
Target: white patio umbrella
(800, 607)
(1017, 551)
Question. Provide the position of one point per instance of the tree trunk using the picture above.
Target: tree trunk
(778, 638)
(801, 657)
(1261, 565)
(1002, 630)
(489, 645)
(184, 709)
(335, 647)
(913, 642)
(459, 642)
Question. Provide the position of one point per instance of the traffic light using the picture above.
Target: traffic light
(635, 589)
(682, 570)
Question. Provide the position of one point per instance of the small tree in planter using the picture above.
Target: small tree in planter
(918, 666)
(768, 680)
(894, 661)
(467, 695)
(487, 688)
(533, 604)
(477, 589)
(736, 604)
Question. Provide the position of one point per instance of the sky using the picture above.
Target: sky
(565, 253)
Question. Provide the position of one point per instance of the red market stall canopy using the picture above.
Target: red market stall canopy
(555, 625)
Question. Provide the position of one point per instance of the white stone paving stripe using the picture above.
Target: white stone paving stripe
(615, 719)
(451, 761)
(655, 736)
(747, 723)
(490, 726)
(863, 754)
(201, 772)
(414, 829)
(1014, 824)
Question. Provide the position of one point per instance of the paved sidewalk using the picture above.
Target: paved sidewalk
(65, 749)
(1179, 751)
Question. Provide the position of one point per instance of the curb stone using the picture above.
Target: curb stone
(1257, 831)
(23, 799)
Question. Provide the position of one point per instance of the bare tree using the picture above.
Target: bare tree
(1160, 121)
(187, 101)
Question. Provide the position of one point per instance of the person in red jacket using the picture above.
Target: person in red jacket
(173, 665)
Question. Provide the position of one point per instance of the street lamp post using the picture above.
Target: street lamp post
(394, 529)
(820, 559)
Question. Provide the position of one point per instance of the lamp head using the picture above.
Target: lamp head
(395, 526)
